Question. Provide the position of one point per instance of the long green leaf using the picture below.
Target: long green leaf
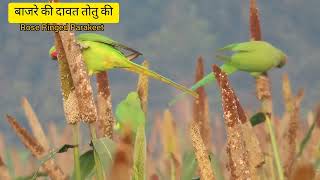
(215, 164)
(105, 149)
(306, 139)
(189, 165)
(140, 155)
(275, 148)
(54, 152)
(87, 164)
(32, 176)
(9, 162)
(317, 165)
(51, 155)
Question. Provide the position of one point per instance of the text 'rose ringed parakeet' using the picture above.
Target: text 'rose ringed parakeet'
(101, 53)
(254, 57)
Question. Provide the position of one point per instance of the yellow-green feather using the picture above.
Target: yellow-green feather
(100, 57)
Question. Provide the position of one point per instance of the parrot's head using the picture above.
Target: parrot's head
(283, 60)
(133, 98)
(53, 53)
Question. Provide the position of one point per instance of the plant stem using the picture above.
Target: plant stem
(76, 156)
(275, 149)
(172, 167)
(99, 168)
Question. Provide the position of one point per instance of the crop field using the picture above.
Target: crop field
(102, 140)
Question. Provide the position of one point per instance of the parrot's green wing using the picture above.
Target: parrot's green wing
(106, 40)
(129, 112)
(253, 57)
(227, 68)
(243, 47)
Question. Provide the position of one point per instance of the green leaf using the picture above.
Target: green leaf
(140, 155)
(51, 155)
(87, 164)
(215, 164)
(189, 165)
(317, 165)
(54, 152)
(65, 148)
(306, 139)
(258, 118)
(31, 176)
(172, 166)
(9, 162)
(24, 156)
(105, 149)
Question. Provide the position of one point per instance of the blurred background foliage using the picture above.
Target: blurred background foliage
(171, 34)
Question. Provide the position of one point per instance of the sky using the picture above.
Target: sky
(172, 35)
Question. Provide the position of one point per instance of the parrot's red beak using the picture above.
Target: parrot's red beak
(54, 55)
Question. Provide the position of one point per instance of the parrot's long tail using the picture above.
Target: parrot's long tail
(204, 81)
(228, 69)
(142, 70)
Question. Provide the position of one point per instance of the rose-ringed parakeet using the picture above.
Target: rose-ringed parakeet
(101, 53)
(254, 57)
(129, 112)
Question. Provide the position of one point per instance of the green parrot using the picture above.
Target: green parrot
(254, 57)
(129, 112)
(101, 53)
